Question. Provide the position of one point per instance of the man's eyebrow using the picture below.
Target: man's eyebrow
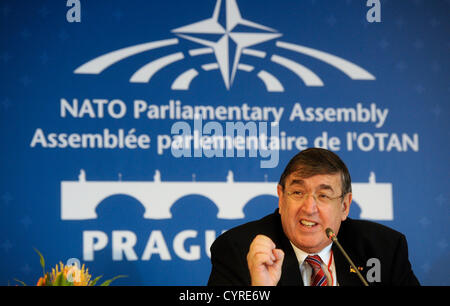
(325, 186)
(297, 182)
(320, 187)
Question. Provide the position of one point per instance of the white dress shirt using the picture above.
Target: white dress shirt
(305, 268)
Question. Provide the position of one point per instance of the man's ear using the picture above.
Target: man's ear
(346, 205)
(280, 192)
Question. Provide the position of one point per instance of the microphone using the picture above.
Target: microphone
(331, 235)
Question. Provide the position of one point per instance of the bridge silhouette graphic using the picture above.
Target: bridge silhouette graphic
(79, 199)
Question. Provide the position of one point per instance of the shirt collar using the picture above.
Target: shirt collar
(324, 254)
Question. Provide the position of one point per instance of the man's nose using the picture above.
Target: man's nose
(309, 205)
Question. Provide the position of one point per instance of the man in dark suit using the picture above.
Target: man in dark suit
(290, 246)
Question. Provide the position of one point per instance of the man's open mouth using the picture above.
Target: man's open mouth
(308, 223)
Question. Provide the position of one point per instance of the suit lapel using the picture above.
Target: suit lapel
(290, 274)
(344, 275)
(342, 268)
(290, 271)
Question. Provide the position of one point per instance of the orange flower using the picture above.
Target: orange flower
(42, 281)
(70, 275)
(78, 277)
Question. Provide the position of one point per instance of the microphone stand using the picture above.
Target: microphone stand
(333, 237)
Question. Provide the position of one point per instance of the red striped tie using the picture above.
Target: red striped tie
(318, 277)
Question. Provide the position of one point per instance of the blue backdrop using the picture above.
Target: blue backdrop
(94, 99)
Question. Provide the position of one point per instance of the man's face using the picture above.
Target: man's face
(305, 221)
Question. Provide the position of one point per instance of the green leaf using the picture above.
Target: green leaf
(47, 278)
(19, 281)
(109, 281)
(94, 281)
(66, 282)
(59, 281)
(42, 261)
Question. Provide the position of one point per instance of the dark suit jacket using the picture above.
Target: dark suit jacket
(362, 240)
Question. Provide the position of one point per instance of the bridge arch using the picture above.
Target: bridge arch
(125, 204)
(260, 206)
(194, 205)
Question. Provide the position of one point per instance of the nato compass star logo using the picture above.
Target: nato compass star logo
(222, 48)
(228, 36)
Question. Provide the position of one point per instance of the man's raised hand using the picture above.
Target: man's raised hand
(264, 262)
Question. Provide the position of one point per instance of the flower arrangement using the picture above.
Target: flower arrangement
(68, 275)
